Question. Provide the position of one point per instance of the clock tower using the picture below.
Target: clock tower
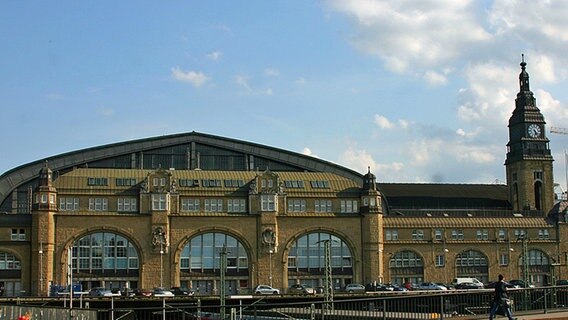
(529, 161)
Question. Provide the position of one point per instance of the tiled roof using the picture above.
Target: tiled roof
(449, 222)
(77, 180)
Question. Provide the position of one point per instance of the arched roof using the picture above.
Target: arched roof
(26, 173)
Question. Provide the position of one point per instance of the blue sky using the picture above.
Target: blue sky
(420, 91)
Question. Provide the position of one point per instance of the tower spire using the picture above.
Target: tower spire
(524, 76)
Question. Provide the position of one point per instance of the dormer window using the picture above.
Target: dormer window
(267, 183)
(159, 182)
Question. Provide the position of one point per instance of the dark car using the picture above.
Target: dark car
(182, 292)
(491, 285)
(395, 287)
(100, 292)
(517, 283)
(375, 287)
(562, 282)
(142, 292)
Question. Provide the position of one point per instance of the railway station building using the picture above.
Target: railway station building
(172, 210)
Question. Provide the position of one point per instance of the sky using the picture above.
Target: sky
(418, 90)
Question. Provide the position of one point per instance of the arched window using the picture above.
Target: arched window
(200, 263)
(105, 259)
(306, 260)
(472, 264)
(406, 267)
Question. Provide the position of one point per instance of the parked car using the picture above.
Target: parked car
(431, 286)
(491, 285)
(182, 292)
(395, 287)
(142, 292)
(354, 288)
(411, 286)
(518, 283)
(467, 285)
(301, 289)
(375, 286)
(126, 292)
(469, 280)
(265, 289)
(161, 292)
(100, 292)
(562, 282)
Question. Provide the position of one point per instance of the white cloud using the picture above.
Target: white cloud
(244, 82)
(56, 96)
(383, 122)
(360, 160)
(197, 79)
(489, 98)
(406, 34)
(308, 152)
(435, 78)
(270, 72)
(107, 112)
(556, 113)
(301, 80)
(215, 55)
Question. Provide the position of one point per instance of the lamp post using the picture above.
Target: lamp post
(270, 252)
(40, 269)
(222, 270)
(446, 264)
(70, 278)
(161, 264)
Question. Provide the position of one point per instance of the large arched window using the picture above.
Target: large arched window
(306, 260)
(538, 267)
(406, 266)
(105, 259)
(200, 263)
(10, 274)
(472, 264)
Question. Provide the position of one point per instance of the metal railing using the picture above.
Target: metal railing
(462, 304)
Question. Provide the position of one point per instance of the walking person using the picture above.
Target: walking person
(501, 299)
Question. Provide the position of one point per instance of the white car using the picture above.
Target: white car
(265, 289)
(160, 292)
(431, 286)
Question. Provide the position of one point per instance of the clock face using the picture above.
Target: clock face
(534, 130)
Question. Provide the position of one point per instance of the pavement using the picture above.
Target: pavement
(541, 316)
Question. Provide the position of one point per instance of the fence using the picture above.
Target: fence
(465, 304)
(8, 312)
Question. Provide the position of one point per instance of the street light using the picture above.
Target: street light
(446, 264)
(270, 252)
(161, 264)
(222, 271)
(40, 268)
